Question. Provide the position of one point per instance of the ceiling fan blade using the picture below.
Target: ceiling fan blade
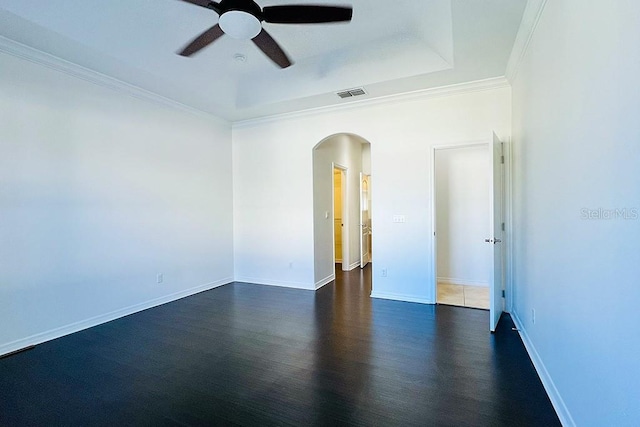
(213, 5)
(202, 41)
(306, 14)
(270, 47)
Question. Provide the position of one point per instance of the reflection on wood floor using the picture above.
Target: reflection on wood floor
(251, 355)
(463, 295)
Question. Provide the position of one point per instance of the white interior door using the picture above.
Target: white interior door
(365, 220)
(496, 277)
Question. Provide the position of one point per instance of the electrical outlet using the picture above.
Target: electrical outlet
(160, 277)
(384, 272)
(533, 316)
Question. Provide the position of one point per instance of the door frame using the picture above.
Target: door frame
(507, 216)
(345, 214)
(369, 233)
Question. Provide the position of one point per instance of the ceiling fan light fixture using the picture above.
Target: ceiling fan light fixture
(242, 19)
(240, 25)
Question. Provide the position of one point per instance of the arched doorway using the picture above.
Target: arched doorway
(348, 157)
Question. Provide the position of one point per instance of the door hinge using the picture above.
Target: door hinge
(502, 159)
(503, 226)
(503, 295)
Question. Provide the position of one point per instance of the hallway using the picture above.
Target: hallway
(245, 354)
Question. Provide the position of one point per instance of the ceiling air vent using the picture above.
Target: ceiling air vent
(351, 93)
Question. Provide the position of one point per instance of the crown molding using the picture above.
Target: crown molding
(442, 91)
(530, 19)
(19, 50)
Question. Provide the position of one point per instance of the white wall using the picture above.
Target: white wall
(344, 150)
(99, 192)
(273, 185)
(366, 159)
(462, 215)
(576, 146)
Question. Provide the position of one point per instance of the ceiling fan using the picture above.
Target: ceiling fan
(242, 19)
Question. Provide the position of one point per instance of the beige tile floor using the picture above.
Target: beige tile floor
(464, 296)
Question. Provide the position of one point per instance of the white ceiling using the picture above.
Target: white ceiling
(388, 48)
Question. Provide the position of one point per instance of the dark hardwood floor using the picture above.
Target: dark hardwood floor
(244, 354)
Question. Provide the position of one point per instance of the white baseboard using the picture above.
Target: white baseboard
(330, 278)
(462, 282)
(279, 283)
(354, 265)
(556, 400)
(400, 297)
(104, 318)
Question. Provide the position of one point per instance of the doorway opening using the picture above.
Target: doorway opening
(342, 203)
(468, 225)
(462, 224)
(365, 219)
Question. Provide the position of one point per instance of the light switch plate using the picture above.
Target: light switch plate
(399, 219)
